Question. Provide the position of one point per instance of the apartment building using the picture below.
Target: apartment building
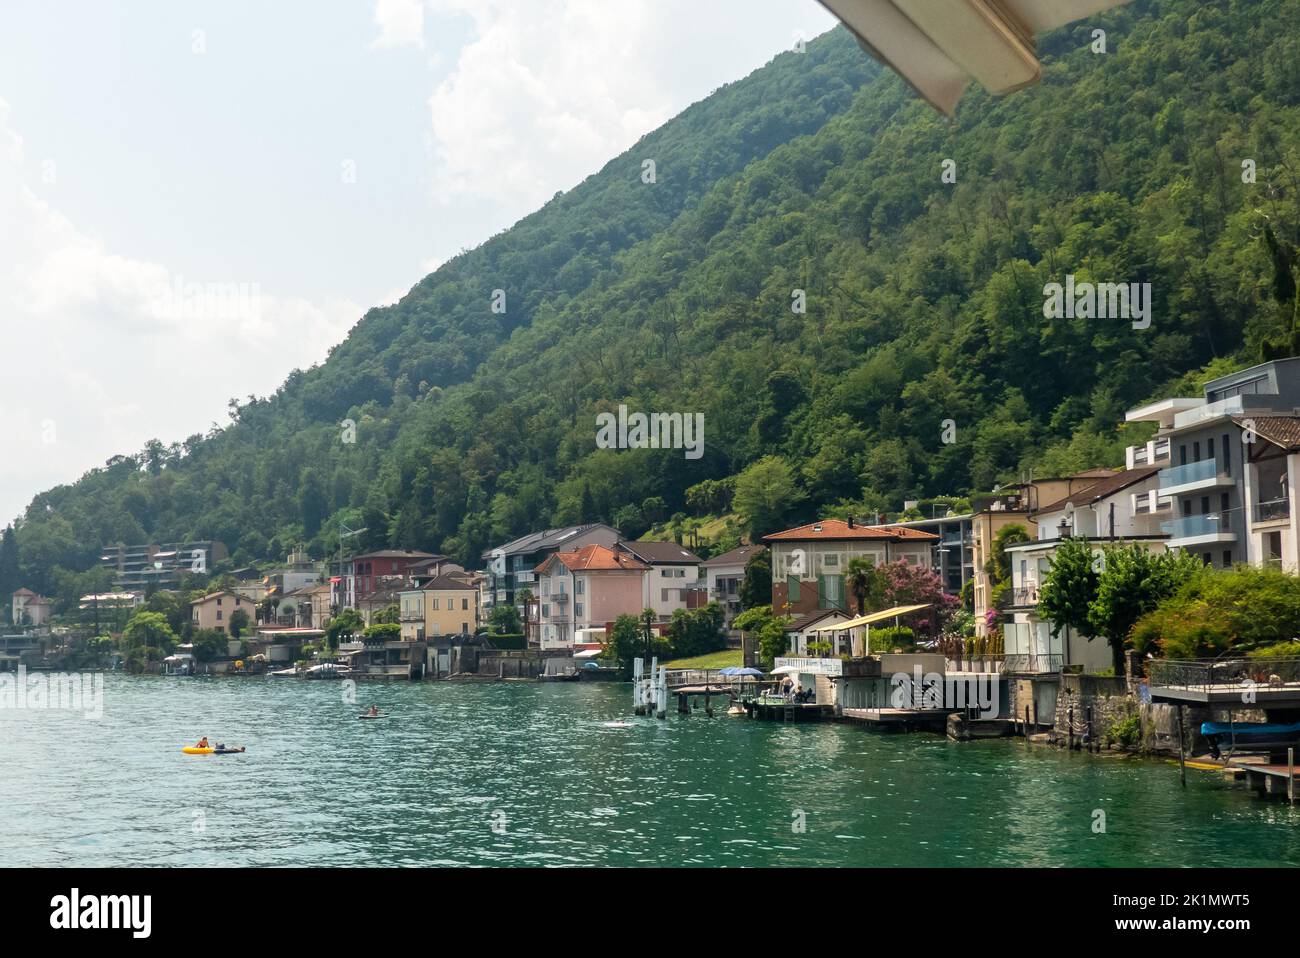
(445, 605)
(146, 568)
(513, 566)
(1209, 439)
(586, 589)
(672, 577)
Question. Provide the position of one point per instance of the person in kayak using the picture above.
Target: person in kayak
(374, 711)
(203, 743)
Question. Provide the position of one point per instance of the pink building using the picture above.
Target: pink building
(585, 590)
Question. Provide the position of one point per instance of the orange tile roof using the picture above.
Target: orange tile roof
(831, 529)
(596, 558)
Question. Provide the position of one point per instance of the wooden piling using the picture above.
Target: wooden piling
(1182, 749)
(1290, 775)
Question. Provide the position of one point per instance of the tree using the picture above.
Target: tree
(998, 565)
(147, 639)
(343, 627)
(504, 620)
(210, 644)
(624, 643)
(768, 631)
(1133, 582)
(693, 632)
(392, 615)
(765, 494)
(1069, 588)
(756, 586)
(383, 631)
(907, 583)
(238, 623)
(865, 583)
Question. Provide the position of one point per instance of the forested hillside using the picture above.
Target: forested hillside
(821, 173)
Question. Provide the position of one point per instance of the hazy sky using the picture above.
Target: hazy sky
(322, 157)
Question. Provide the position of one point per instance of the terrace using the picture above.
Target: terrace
(1263, 683)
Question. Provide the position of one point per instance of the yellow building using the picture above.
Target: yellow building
(214, 611)
(447, 605)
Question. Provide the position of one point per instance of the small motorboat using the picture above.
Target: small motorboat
(1250, 737)
(618, 724)
(327, 670)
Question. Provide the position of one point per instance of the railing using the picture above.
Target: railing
(1207, 674)
(1025, 596)
(1033, 663)
(1272, 510)
(1231, 406)
(1192, 472)
(1151, 453)
(1191, 526)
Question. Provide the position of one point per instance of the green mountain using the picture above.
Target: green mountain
(821, 173)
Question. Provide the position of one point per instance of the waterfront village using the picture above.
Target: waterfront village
(1192, 548)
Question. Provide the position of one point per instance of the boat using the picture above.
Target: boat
(327, 670)
(210, 750)
(289, 673)
(570, 676)
(1250, 737)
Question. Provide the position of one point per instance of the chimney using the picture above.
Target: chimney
(850, 522)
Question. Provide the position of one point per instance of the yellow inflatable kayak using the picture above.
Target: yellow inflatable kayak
(195, 750)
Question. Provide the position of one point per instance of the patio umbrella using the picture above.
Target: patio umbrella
(740, 671)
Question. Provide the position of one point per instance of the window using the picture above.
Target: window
(1196, 451)
(1227, 558)
(1273, 549)
(665, 573)
(464, 605)
(1205, 505)
(435, 603)
(577, 609)
(1182, 455)
(1187, 507)
(580, 587)
(663, 595)
(464, 628)
(1209, 448)
(546, 611)
(831, 561)
(1227, 455)
(1207, 559)
(1223, 504)
(219, 615)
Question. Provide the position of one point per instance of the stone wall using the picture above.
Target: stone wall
(1089, 706)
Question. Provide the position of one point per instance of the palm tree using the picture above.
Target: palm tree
(865, 582)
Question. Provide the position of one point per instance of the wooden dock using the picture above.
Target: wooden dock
(1267, 780)
(902, 719)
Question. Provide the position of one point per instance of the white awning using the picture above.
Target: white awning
(588, 653)
(937, 46)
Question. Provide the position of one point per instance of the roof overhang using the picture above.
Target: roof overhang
(937, 47)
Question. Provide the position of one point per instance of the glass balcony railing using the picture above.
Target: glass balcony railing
(1192, 472)
(1232, 406)
(1191, 526)
(1272, 510)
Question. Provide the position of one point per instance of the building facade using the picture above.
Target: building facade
(809, 562)
(586, 589)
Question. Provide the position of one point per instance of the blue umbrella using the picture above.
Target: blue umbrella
(739, 671)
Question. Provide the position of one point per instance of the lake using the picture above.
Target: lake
(530, 774)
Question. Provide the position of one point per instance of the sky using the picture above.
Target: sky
(197, 198)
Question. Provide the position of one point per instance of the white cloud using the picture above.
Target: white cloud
(548, 91)
(97, 359)
(400, 22)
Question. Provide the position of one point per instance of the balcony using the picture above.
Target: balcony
(1205, 528)
(1205, 474)
(1148, 503)
(1027, 596)
(559, 598)
(1274, 510)
(1209, 412)
(1033, 663)
(1152, 454)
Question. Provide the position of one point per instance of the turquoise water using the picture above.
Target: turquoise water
(528, 774)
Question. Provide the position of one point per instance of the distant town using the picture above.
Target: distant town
(817, 617)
